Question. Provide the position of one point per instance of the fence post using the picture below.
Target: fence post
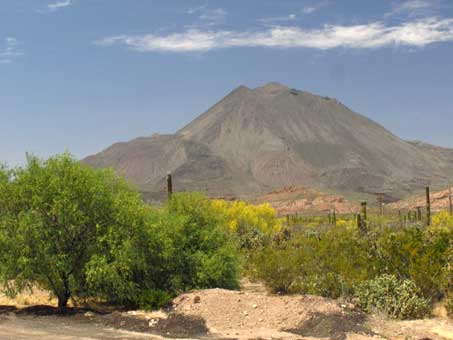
(334, 218)
(419, 214)
(428, 207)
(364, 216)
(381, 204)
(449, 198)
(169, 186)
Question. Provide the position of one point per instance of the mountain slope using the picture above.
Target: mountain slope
(254, 141)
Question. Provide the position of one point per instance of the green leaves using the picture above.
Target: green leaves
(399, 299)
(55, 213)
(83, 232)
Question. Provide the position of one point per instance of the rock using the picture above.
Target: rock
(89, 314)
(153, 322)
(196, 299)
(254, 306)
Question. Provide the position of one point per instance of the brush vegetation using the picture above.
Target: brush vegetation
(85, 233)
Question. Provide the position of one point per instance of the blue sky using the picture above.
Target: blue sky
(79, 75)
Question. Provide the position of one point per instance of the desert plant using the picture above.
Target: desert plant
(53, 217)
(399, 299)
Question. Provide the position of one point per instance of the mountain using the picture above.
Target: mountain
(257, 140)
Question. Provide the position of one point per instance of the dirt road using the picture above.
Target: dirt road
(219, 314)
(13, 327)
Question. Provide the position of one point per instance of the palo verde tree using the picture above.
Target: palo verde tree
(54, 215)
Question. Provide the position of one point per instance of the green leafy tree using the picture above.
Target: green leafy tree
(184, 246)
(55, 216)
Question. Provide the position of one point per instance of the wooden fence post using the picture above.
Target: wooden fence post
(169, 186)
(381, 204)
(428, 207)
(364, 216)
(359, 222)
(419, 214)
(449, 199)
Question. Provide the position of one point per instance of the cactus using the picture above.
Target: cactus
(428, 208)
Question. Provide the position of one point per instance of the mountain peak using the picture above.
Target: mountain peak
(271, 88)
(258, 140)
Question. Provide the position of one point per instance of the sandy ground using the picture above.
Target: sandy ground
(14, 327)
(221, 314)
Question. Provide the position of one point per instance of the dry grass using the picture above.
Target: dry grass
(36, 296)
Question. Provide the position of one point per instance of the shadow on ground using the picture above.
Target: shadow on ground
(334, 326)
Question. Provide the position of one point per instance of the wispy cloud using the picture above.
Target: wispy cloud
(55, 6)
(284, 18)
(9, 50)
(309, 9)
(209, 15)
(315, 7)
(414, 8)
(374, 35)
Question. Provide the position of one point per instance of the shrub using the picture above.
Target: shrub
(182, 247)
(255, 225)
(278, 268)
(153, 299)
(415, 254)
(54, 214)
(81, 232)
(200, 251)
(448, 281)
(327, 263)
(399, 299)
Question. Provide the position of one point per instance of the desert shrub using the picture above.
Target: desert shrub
(53, 215)
(332, 261)
(399, 299)
(81, 232)
(277, 267)
(415, 254)
(448, 281)
(200, 251)
(327, 263)
(255, 225)
(152, 299)
(182, 247)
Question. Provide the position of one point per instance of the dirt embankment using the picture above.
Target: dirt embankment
(292, 200)
(439, 202)
(220, 314)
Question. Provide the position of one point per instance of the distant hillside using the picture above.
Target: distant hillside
(440, 201)
(257, 140)
(295, 200)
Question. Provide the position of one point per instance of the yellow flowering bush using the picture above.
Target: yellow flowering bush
(442, 220)
(241, 217)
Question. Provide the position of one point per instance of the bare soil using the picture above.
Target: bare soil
(219, 314)
(292, 200)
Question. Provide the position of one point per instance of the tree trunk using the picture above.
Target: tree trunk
(63, 301)
(64, 296)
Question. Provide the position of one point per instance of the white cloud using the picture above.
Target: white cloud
(416, 33)
(55, 6)
(315, 7)
(9, 50)
(209, 15)
(289, 17)
(415, 8)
